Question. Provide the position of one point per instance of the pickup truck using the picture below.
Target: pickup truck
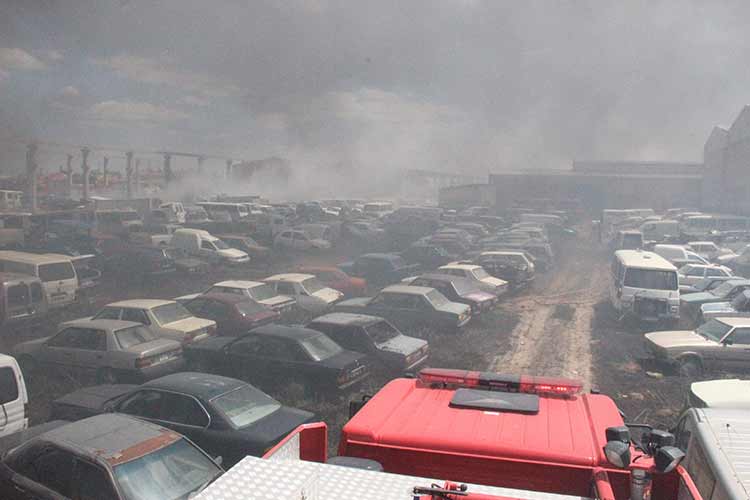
(380, 268)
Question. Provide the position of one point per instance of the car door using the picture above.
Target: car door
(247, 359)
(73, 350)
(47, 466)
(736, 351)
(296, 364)
(92, 482)
(186, 415)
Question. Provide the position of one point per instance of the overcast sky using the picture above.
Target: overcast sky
(466, 85)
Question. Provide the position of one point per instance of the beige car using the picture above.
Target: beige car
(720, 344)
(166, 318)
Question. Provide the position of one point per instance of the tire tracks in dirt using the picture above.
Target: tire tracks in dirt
(553, 335)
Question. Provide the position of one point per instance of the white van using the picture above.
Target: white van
(679, 255)
(13, 397)
(660, 230)
(644, 286)
(722, 393)
(176, 209)
(57, 273)
(203, 244)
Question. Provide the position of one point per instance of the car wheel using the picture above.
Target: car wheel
(690, 367)
(28, 366)
(106, 376)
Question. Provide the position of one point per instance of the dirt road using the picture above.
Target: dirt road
(553, 335)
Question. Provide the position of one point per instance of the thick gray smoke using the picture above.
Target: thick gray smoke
(354, 92)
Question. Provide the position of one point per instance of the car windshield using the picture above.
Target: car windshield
(651, 279)
(56, 272)
(262, 292)
(723, 290)
(739, 301)
(464, 287)
(480, 273)
(129, 337)
(250, 307)
(713, 330)
(436, 298)
(173, 472)
(684, 270)
(245, 405)
(221, 245)
(381, 332)
(169, 313)
(312, 285)
(321, 347)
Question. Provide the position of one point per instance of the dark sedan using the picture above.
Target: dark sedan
(459, 290)
(225, 417)
(234, 314)
(274, 355)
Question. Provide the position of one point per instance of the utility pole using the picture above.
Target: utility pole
(229, 170)
(69, 175)
(85, 168)
(105, 173)
(129, 174)
(31, 170)
(167, 169)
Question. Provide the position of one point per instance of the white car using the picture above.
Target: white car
(690, 274)
(165, 318)
(739, 307)
(295, 239)
(709, 250)
(478, 275)
(311, 295)
(263, 293)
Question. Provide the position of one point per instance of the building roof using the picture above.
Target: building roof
(201, 385)
(141, 303)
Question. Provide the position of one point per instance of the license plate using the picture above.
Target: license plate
(164, 357)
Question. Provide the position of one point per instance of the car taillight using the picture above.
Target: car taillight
(143, 362)
(498, 382)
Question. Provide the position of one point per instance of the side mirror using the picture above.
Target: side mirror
(667, 458)
(618, 453)
(219, 460)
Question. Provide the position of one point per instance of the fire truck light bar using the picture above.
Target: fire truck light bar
(498, 382)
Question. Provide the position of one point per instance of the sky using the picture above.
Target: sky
(374, 86)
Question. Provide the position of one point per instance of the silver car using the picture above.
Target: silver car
(112, 350)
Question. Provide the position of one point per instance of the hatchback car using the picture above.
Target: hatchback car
(112, 350)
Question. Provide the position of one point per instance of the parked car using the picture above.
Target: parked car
(679, 255)
(337, 279)
(690, 274)
(185, 263)
(373, 336)
(225, 417)
(427, 255)
(705, 284)
(255, 250)
(203, 244)
(457, 289)
(274, 355)
(515, 267)
(311, 295)
(379, 268)
(477, 275)
(259, 292)
(720, 344)
(140, 261)
(709, 250)
(297, 239)
(691, 302)
(738, 307)
(14, 398)
(233, 313)
(165, 318)
(409, 307)
(111, 457)
(111, 350)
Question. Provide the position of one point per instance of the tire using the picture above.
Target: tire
(690, 367)
(106, 376)
(28, 366)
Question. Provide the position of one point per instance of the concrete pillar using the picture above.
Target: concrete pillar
(69, 175)
(201, 159)
(105, 172)
(167, 169)
(129, 174)
(85, 168)
(31, 171)
(229, 170)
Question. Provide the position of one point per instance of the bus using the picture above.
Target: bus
(56, 271)
(645, 287)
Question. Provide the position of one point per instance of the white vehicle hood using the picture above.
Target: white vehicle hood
(496, 282)
(233, 253)
(189, 324)
(328, 295)
(276, 300)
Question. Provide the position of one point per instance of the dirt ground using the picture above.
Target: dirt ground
(561, 326)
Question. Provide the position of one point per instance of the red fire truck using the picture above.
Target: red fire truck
(530, 433)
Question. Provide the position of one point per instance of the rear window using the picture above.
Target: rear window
(56, 272)
(262, 292)
(8, 385)
(245, 405)
(321, 347)
(381, 332)
(169, 313)
(250, 307)
(132, 336)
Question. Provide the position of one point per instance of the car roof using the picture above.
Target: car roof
(465, 267)
(111, 325)
(290, 277)
(289, 332)
(112, 437)
(723, 393)
(502, 252)
(725, 431)
(644, 260)
(201, 385)
(406, 413)
(735, 322)
(408, 289)
(141, 303)
(442, 277)
(238, 284)
(342, 318)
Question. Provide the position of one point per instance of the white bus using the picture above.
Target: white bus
(56, 272)
(644, 286)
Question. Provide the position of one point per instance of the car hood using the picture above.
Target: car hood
(186, 298)
(153, 347)
(357, 302)
(692, 298)
(233, 253)
(479, 296)
(402, 344)
(496, 282)
(455, 308)
(717, 307)
(328, 295)
(189, 324)
(679, 339)
(94, 398)
(277, 300)
(270, 429)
